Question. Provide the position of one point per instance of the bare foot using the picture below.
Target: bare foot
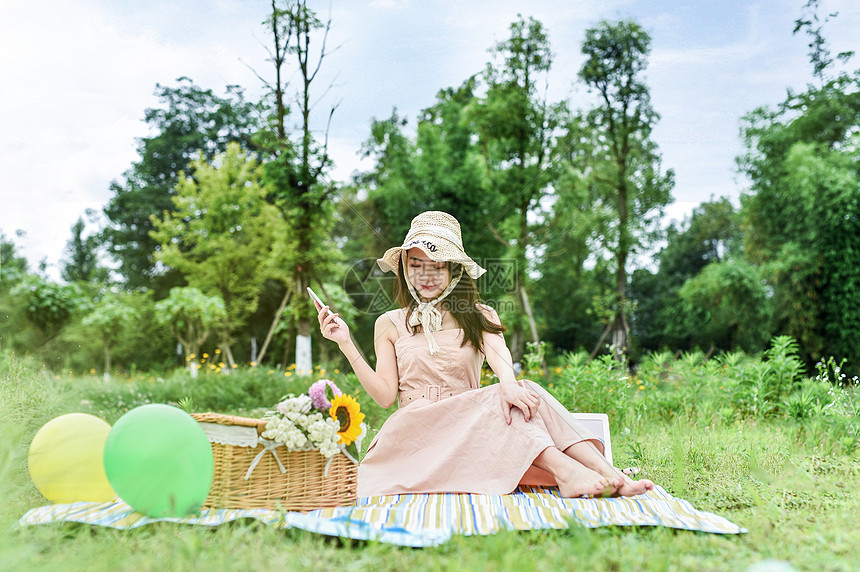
(580, 481)
(632, 488)
(624, 485)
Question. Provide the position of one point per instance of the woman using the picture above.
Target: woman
(449, 434)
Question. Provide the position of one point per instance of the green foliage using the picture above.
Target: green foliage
(13, 269)
(295, 171)
(50, 306)
(803, 212)
(819, 51)
(110, 319)
(110, 316)
(602, 385)
(780, 478)
(535, 357)
(82, 256)
(192, 315)
(718, 392)
(12, 266)
(661, 318)
(190, 121)
(727, 305)
(515, 125)
(574, 319)
(221, 233)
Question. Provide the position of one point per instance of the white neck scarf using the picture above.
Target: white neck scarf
(426, 314)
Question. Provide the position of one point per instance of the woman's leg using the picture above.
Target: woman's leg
(573, 478)
(587, 454)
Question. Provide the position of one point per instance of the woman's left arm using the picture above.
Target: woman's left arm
(511, 393)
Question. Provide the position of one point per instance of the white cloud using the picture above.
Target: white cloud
(78, 80)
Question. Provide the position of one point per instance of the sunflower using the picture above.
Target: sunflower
(346, 411)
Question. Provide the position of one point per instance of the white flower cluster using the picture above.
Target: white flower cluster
(294, 426)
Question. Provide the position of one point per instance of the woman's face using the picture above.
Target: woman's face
(429, 278)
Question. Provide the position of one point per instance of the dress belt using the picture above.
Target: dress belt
(432, 393)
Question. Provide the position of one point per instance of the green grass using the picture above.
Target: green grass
(773, 475)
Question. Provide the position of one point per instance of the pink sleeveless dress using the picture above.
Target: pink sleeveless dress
(449, 434)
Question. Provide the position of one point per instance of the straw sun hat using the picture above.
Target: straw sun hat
(437, 234)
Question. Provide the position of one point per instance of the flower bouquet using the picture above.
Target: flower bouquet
(323, 419)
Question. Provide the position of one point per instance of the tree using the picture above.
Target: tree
(802, 206)
(50, 306)
(711, 234)
(441, 168)
(12, 266)
(727, 306)
(190, 121)
(295, 174)
(111, 317)
(515, 125)
(222, 234)
(192, 315)
(812, 257)
(81, 262)
(620, 164)
(13, 270)
(819, 51)
(567, 265)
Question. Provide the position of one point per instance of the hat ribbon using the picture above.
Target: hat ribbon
(426, 314)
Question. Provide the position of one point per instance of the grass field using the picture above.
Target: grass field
(788, 478)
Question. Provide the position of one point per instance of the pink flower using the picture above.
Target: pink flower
(317, 393)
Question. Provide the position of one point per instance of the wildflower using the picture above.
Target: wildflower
(641, 386)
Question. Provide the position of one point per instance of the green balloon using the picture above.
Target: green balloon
(158, 460)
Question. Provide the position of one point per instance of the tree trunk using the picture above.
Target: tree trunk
(518, 336)
(274, 325)
(106, 376)
(228, 355)
(304, 359)
(620, 333)
(533, 326)
(600, 341)
(620, 336)
(288, 343)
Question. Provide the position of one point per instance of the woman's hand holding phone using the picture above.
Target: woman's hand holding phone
(331, 325)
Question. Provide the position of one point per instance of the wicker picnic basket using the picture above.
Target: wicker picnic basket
(250, 473)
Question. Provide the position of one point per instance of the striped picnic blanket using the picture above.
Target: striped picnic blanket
(426, 519)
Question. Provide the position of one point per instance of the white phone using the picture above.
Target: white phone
(317, 299)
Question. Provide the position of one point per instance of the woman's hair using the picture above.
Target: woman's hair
(461, 302)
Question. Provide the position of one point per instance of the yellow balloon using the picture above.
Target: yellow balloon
(66, 459)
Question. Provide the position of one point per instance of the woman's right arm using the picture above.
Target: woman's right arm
(382, 383)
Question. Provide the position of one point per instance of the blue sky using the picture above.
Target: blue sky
(78, 76)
